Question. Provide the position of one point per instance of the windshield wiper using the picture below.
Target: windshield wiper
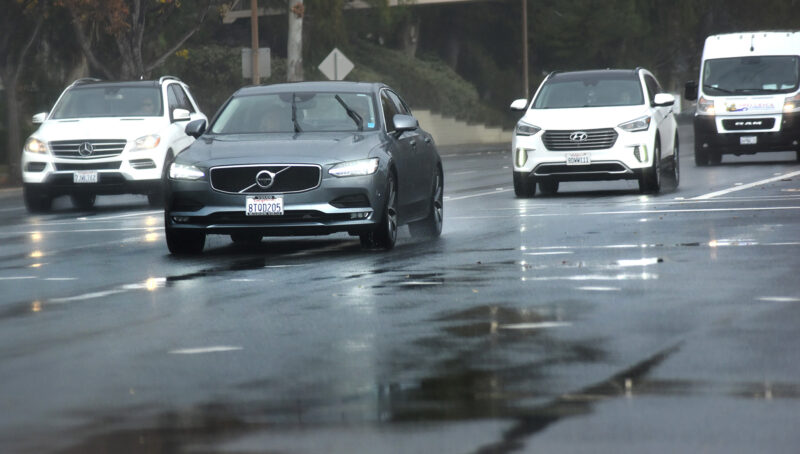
(351, 113)
(751, 90)
(711, 87)
(297, 127)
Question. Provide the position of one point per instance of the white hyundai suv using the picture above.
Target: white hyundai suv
(595, 125)
(106, 138)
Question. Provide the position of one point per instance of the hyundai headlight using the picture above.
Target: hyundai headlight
(361, 167)
(147, 142)
(526, 129)
(639, 124)
(35, 146)
(185, 172)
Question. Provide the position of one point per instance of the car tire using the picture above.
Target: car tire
(183, 241)
(676, 162)
(246, 238)
(548, 186)
(524, 185)
(700, 155)
(650, 179)
(798, 155)
(83, 201)
(36, 200)
(384, 235)
(715, 159)
(431, 226)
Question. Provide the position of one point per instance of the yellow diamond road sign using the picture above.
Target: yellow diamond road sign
(336, 66)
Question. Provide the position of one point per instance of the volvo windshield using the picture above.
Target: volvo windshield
(296, 113)
(751, 75)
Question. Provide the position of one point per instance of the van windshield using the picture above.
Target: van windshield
(751, 75)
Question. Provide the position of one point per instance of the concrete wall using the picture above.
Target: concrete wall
(449, 131)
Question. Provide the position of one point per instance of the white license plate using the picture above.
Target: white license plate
(84, 176)
(748, 140)
(264, 206)
(579, 159)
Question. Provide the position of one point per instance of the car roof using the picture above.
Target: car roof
(595, 73)
(337, 86)
(124, 83)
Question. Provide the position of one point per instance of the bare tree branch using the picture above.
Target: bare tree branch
(21, 58)
(83, 41)
(180, 42)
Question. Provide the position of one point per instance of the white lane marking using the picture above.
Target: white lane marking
(480, 194)
(11, 209)
(638, 262)
(604, 213)
(779, 299)
(125, 229)
(600, 289)
(465, 172)
(201, 350)
(61, 279)
(548, 253)
(16, 278)
(282, 266)
(420, 283)
(746, 186)
(120, 216)
(243, 280)
(540, 325)
(86, 296)
(596, 277)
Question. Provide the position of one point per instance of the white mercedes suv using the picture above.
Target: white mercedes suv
(106, 138)
(595, 125)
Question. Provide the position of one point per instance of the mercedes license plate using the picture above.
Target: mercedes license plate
(748, 140)
(264, 206)
(579, 159)
(85, 176)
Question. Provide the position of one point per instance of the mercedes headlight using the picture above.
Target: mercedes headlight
(639, 124)
(355, 168)
(185, 172)
(526, 129)
(147, 142)
(35, 146)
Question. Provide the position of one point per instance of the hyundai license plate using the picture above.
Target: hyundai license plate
(84, 176)
(748, 140)
(579, 159)
(264, 206)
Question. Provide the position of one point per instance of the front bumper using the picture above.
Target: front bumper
(711, 135)
(625, 159)
(352, 204)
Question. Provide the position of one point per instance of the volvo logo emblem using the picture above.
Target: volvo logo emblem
(265, 178)
(86, 149)
(578, 136)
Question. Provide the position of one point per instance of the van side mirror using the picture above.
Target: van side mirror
(690, 90)
(39, 118)
(195, 128)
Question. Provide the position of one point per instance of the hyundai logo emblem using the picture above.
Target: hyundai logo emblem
(86, 149)
(265, 178)
(578, 136)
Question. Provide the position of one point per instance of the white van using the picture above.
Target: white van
(747, 97)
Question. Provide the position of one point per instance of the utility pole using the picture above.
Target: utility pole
(254, 39)
(525, 47)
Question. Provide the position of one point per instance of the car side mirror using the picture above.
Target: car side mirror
(690, 90)
(519, 105)
(404, 123)
(181, 115)
(195, 128)
(663, 99)
(39, 118)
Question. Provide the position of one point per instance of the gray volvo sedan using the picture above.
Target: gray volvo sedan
(309, 158)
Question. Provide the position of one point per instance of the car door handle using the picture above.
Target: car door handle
(413, 144)
(427, 140)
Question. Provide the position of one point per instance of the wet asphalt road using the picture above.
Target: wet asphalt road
(595, 320)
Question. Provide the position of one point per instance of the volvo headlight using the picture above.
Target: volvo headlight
(639, 124)
(185, 172)
(355, 168)
(792, 103)
(35, 146)
(526, 129)
(147, 142)
(705, 106)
